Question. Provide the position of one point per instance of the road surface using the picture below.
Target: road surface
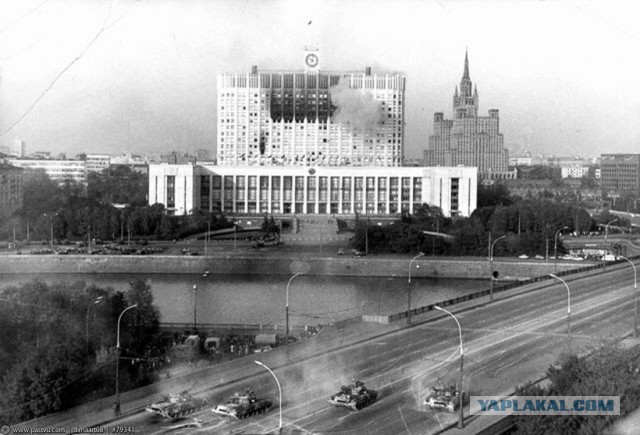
(506, 343)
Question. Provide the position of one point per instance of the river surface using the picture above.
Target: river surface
(255, 299)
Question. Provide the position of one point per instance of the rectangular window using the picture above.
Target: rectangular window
(406, 188)
(417, 189)
(455, 191)
(171, 191)
(204, 192)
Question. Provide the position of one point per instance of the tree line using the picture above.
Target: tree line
(608, 371)
(58, 345)
(112, 206)
(530, 227)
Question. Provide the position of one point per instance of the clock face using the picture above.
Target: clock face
(311, 60)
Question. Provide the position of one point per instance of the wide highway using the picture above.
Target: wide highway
(506, 343)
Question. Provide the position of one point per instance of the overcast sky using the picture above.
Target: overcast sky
(124, 75)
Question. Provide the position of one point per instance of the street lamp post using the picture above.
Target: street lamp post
(195, 301)
(195, 306)
(606, 228)
(568, 307)
(635, 296)
(279, 392)
(122, 226)
(491, 267)
(94, 302)
(206, 238)
(420, 254)
(461, 393)
(118, 358)
(286, 311)
(555, 249)
(50, 216)
(366, 240)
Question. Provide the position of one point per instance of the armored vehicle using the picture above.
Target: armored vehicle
(177, 405)
(243, 405)
(441, 397)
(355, 396)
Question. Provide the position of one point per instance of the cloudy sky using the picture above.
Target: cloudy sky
(140, 75)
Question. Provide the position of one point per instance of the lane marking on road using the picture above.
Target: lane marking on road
(403, 421)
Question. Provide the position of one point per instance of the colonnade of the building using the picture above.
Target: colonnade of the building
(310, 194)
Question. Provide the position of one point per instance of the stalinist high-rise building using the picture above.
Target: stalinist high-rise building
(469, 139)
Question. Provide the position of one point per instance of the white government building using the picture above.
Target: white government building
(311, 190)
(311, 142)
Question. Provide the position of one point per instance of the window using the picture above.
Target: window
(171, 191)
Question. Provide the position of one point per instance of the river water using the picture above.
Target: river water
(256, 299)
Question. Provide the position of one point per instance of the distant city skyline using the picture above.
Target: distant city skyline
(103, 76)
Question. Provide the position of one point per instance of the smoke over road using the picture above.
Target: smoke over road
(355, 108)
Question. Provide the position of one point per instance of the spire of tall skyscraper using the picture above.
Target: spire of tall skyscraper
(466, 65)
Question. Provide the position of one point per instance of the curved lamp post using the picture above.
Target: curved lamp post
(50, 216)
(94, 302)
(491, 267)
(279, 392)
(568, 306)
(118, 358)
(461, 405)
(286, 310)
(195, 306)
(421, 254)
(606, 228)
(555, 248)
(195, 301)
(635, 296)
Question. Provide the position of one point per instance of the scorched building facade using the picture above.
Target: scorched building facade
(310, 117)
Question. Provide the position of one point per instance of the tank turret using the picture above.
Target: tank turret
(243, 405)
(355, 396)
(176, 405)
(441, 397)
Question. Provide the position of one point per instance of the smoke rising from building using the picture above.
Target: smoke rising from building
(356, 108)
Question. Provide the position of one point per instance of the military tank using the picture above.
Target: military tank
(355, 396)
(441, 397)
(176, 405)
(243, 405)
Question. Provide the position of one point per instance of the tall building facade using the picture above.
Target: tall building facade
(469, 139)
(58, 170)
(97, 162)
(11, 189)
(620, 172)
(310, 117)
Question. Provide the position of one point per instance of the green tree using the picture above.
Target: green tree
(608, 371)
(495, 194)
(58, 343)
(118, 185)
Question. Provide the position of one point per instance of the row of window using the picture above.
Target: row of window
(310, 208)
(323, 181)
